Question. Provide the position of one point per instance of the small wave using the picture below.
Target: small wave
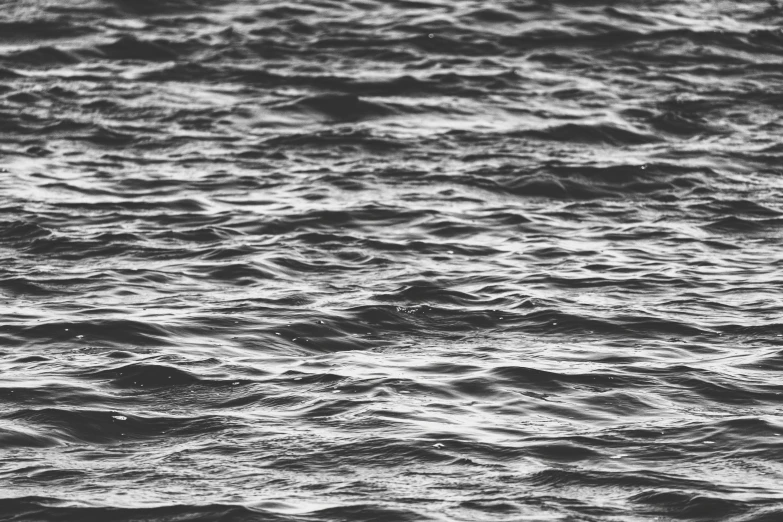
(51, 509)
(420, 292)
(348, 140)
(104, 427)
(162, 7)
(607, 134)
(737, 207)
(147, 375)
(129, 47)
(44, 28)
(739, 224)
(118, 332)
(689, 505)
(339, 107)
(683, 125)
(44, 55)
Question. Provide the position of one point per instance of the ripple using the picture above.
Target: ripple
(400, 260)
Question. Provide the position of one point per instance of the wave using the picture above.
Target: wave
(46, 509)
(400, 260)
(339, 107)
(49, 426)
(131, 48)
(604, 134)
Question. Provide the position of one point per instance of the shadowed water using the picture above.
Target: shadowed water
(391, 260)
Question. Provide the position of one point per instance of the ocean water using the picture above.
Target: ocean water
(391, 260)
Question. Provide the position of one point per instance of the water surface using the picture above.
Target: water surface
(391, 260)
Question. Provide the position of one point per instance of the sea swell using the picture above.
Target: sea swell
(400, 260)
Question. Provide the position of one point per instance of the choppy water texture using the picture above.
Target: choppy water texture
(391, 260)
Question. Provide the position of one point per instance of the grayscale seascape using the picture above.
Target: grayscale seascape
(391, 260)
